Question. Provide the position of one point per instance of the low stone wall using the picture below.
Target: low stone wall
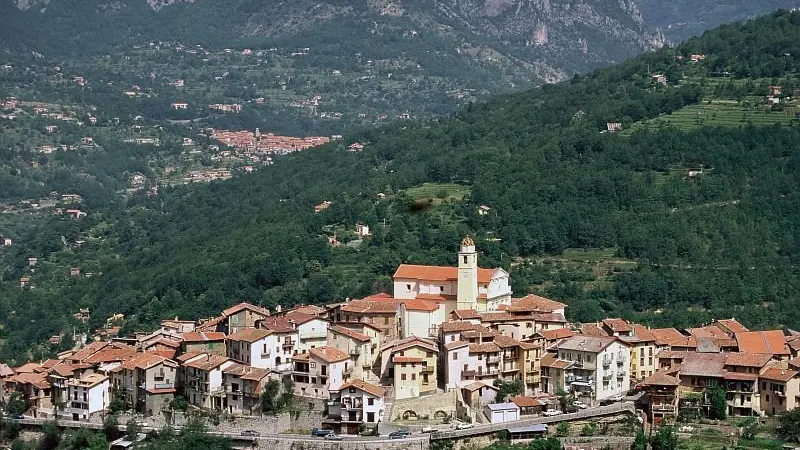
(321, 444)
(428, 405)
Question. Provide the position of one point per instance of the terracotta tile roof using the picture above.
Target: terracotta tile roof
(412, 341)
(406, 359)
(420, 304)
(187, 356)
(111, 354)
(474, 386)
(709, 331)
(166, 342)
(594, 344)
(300, 318)
(643, 333)
(277, 325)
(747, 359)
(660, 379)
(311, 310)
(242, 306)
(5, 371)
(437, 273)
(161, 391)
(617, 325)
(364, 306)
(777, 374)
(455, 344)
(481, 332)
(207, 362)
(464, 314)
(558, 333)
(49, 363)
(255, 374)
(63, 370)
(593, 329)
(733, 325)
(741, 376)
(454, 327)
(673, 338)
(526, 402)
(535, 303)
(551, 360)
(672, 354)
(146, 361)
(363, 386)
(36, 379)
(329, 354)
(550, 317)
(28, 368)
(207, 336)
(88, 351)
(353, 334)
(770, 341)
(211, 324)
(795, 362)
(436, 298)
(704, 365)
(506, 342)
(249, 335)
(489, 347)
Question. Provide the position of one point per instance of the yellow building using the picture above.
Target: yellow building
(411, 363)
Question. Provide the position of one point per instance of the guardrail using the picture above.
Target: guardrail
(495, 427)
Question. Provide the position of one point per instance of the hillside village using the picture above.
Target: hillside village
(439, 348)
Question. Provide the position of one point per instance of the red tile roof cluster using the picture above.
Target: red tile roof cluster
(558, 333)
(385, 304)
(200, 336)
(535, 303)
(249, 335)
(245, 306)
(771, 341)
(353, 334)
(329, 354)
(617, 325)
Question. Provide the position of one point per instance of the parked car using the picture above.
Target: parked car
(552, 412)
(616, 398)
(464, 426)
(580, 404)
(333, 437)
(252, 433)
(686, 429)
(320, 432)
(399, 434)
(18, 416)
(429, 430)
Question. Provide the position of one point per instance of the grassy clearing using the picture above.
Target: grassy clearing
(438, 192)
(721, 113)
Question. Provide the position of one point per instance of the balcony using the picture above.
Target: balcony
(607, 378)
(488, 373)
(266, 354)
(348, 370)
(533, 379)
(663, 407)
(622, 374)
(780, 394)
(288, 344)
(315, 335)
(352, 405)
(354, 352)
(493, 360)
(606, 362)
(427, 369)
(621, 360)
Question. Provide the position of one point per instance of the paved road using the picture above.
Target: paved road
(600, 411)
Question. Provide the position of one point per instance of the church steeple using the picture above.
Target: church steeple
(467, 297)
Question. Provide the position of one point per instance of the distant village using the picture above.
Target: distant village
(437, 347)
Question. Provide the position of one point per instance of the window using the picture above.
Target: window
(441, 288)
(465, 259)
(312, 365)
(403, 376)
(429, 354)
(455, 356)
(403, 364)
(370, 402)
(352, 390)
(480, 357)
(313, 380)
(529, 325)
(386, 321)
(408, 287)
(413, 376)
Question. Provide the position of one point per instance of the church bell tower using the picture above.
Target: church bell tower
(467, 276)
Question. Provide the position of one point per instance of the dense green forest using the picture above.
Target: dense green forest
(723, 243)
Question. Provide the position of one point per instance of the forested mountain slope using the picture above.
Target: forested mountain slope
(725, 242)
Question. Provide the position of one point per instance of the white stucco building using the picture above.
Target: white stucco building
(263, 348)
(353, 404)
(598, 366)
(86, 395)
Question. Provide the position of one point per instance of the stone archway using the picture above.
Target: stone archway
(440, 415)
(410, 415)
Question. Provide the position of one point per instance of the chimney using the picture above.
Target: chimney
(278, 308)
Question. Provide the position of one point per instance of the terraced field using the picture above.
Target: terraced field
(721, 113)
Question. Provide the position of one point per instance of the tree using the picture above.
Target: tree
(589, 429)
(789, 425)
(269, 397)
(545, 444)
(749, 428)
(119, 403)
(51, 436)
(111, 427)
(132, 428)
(640, 443)
(716, 398)
(507, 389)
(562, 429)
(179, 403)
(665, 439)
(83, 439)
(15, 404)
